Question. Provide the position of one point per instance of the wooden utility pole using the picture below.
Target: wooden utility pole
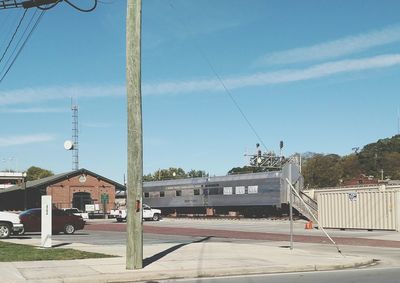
(134, 242)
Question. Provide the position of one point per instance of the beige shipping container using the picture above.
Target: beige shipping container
(371, 210)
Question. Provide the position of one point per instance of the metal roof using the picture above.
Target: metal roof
(59, 177)
(201, 180)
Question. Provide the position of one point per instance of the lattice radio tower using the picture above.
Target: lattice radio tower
(75, 137)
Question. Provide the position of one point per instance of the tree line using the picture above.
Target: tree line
(378, 159)
(319, 170)
(174, 173)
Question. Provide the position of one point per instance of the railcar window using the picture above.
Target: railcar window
(196, 192)
(154, 194)
(178, 193)
(215, 191)
(146, 195)
(211, 185)
(162, 194)
(252, 189)
(241, 190)
(227, 190)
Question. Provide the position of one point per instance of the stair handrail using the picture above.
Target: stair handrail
(315, 218)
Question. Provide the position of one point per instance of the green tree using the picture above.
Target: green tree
(350, 167)
(174, 173)
(376, 156)
(197, 173)
(245, 170)
(36, 173)
(322, 170)
(390, 165)
(148, 177)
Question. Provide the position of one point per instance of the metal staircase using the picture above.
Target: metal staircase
(300, 205)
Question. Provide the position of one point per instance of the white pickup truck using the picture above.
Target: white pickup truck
(9, 223)
(148, 214)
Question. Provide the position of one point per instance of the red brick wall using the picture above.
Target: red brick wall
(62, 193)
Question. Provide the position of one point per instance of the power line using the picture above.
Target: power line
(7, 25)
(48, 7)
(41, 4)
(221, 81)
(80, 9)
(11, 56)
(23, 45)
(13, 36)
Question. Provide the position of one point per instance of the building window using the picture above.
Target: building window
(162, 194)
(196, 192)
(178, 193)
(146, 195)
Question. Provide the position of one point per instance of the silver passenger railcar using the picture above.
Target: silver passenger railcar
(255, 194)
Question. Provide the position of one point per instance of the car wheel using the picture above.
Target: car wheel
(119, 219)
(69, 229)
(156, 217)
(5, 230)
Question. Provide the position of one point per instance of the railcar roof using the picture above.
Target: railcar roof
(215, 179)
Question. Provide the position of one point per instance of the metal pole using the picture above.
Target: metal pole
(25, 194)
(134, 247)
(291, 217)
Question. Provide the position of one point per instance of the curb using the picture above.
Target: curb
(134, 276)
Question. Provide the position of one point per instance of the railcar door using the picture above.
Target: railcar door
(205, 197)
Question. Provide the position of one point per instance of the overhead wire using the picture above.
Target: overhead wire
(38, 19)
(107, 2)
(221, 81)
(80, 9)
(43, 9)
(48, 7)
(6, 27)
(13, 36)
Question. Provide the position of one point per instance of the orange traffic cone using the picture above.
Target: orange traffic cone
(309, 225)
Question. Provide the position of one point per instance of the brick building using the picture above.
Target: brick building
(361, 180)
(71, 189)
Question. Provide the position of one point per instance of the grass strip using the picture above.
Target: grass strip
(17, 252)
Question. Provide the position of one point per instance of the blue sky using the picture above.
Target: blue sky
(320, 75)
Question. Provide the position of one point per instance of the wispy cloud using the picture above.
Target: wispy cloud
(333, 49)
(25, 139)
(97, 125)
(34, 110)
(29, 95)
(35, 95)
(278, 77)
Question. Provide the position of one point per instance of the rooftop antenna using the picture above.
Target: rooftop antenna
(73, 144)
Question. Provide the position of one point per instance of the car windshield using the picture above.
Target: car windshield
(30, 212)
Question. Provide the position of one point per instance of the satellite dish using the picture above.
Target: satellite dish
(68, 145)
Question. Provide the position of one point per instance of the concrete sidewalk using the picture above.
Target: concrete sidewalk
(167, 261)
